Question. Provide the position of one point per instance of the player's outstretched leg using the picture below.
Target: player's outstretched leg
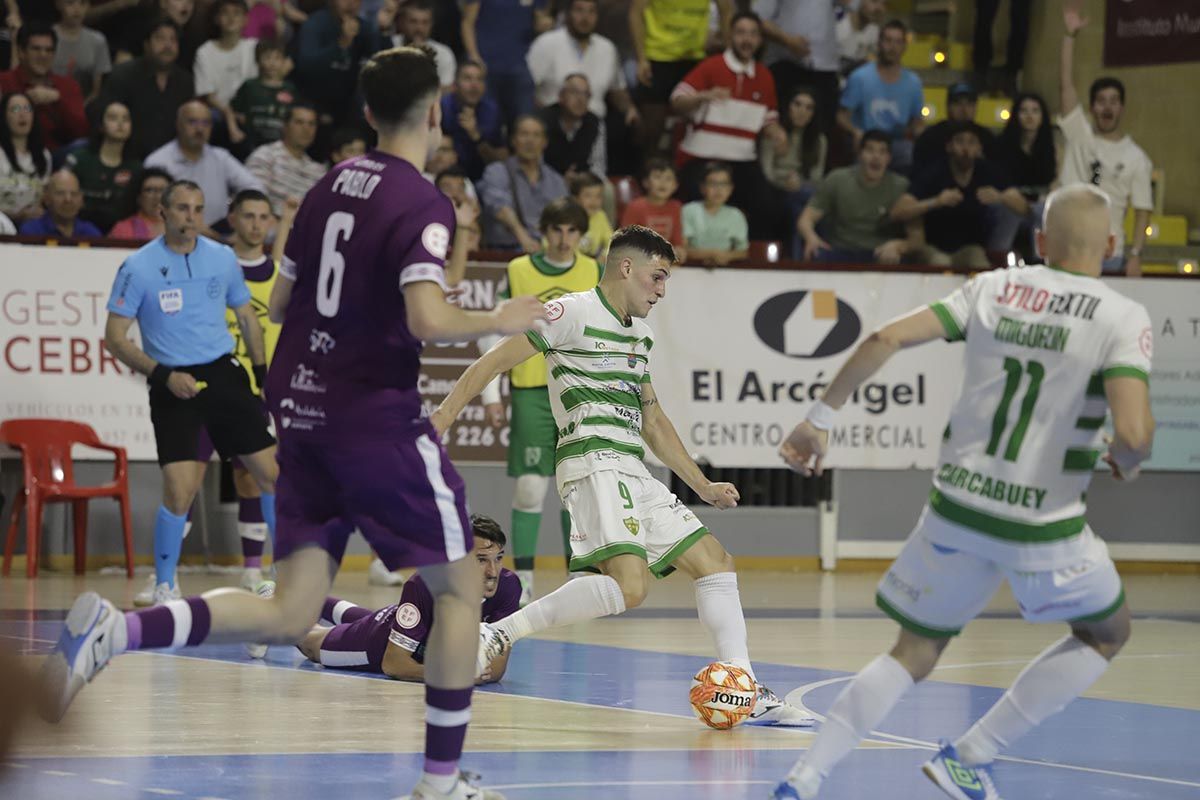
(588, 597)
(861, 706)
(449, 681)
(336, 611)
(95, 630)
(1062, 672)
(719, 605)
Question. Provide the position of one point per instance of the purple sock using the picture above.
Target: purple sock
(447, 713)
(177, 623)
(341, 612)
(250, 518)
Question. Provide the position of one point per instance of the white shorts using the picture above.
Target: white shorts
(934, 590)
(614, 513)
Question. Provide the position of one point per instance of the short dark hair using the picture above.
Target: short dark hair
(397, 82)
(159, 22)
(468, 62)
(955, 128)
(516, 123)
(713, 167)
(299, 105)
(269, 45)
(583, 180)
(1098, 85)
(247, 196)
(648, 242)
(175, 186)
(656, 164)
(344, 136)
(875, 135)
(416, 5)
(33, 28)
(895, 24)
(219, 4)
(453, 171)
(487, 528)
(563, 211)
(741, 15)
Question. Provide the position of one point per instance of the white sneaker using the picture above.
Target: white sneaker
(492, 644)
(526, 576)
(769, 709)
(165, 592)
(94, 629)
(145, 598)
(262, 589)
(378, 575)
(466, 788)
(251, 577)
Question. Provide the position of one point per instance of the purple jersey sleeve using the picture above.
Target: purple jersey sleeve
(507, 599)
(424, 254)
(413, 619)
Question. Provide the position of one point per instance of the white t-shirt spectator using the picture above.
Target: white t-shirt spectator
(1120, 169)
(855, 47)
(556, 54)
(21, 187)
(815, 20)
(223, 71)
(6, 226)
(447, 65)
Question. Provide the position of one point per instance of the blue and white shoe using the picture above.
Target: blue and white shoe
(802, 784)
(957, 779)
(785, 791)
(771, 709)
(94, 630)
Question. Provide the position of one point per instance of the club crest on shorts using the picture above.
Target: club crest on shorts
(632, 525)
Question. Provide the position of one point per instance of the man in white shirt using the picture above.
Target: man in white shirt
(284, 167)
(225, 62)
(858, 33)
(576, 48)
(803, 50)
(1099, 153)
(190, 157)
(414, 26)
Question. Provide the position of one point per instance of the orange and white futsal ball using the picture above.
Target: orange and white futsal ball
(723, 695)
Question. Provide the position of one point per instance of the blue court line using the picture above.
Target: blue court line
(537, 775)
(1122, 736)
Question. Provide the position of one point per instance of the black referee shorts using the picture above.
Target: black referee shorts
(226, 407)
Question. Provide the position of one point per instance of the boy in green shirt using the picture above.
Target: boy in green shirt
(716, 233)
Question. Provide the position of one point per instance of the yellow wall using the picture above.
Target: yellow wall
(1161, 112)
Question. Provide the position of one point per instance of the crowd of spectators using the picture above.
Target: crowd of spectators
(790, 120)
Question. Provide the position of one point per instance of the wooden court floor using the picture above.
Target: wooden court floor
(600, 710)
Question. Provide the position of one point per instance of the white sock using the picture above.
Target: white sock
(1062, 672)
(575, 601)
(858, 709)
(720, 608)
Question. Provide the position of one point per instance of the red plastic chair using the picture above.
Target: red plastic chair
(45, 446)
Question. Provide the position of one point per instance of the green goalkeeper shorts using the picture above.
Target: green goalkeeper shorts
(533, 436)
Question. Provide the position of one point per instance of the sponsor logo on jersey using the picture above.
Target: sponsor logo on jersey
(1146, 342)
(807, 324)
(305, 380)
(632, 525)
(320, 342)
(407, 616)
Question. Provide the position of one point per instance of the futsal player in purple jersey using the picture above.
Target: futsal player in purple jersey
(393, 640)
(360, 288)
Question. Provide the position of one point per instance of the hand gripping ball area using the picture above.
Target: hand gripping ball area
(723, 695)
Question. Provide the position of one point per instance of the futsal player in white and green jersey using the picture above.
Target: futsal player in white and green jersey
(1049, 351)
(627, 526)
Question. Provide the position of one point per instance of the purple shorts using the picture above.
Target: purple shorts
(361, 643)
(402, 494)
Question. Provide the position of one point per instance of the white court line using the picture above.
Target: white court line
(58, 773)
(109, 782)
(171, 792)
(889, 738)
(1023, 661)
(588, 784)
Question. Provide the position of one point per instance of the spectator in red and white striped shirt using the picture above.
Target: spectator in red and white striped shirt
(730, 101)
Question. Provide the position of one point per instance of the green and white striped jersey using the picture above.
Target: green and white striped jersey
(596, 366)
(1025, 434)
